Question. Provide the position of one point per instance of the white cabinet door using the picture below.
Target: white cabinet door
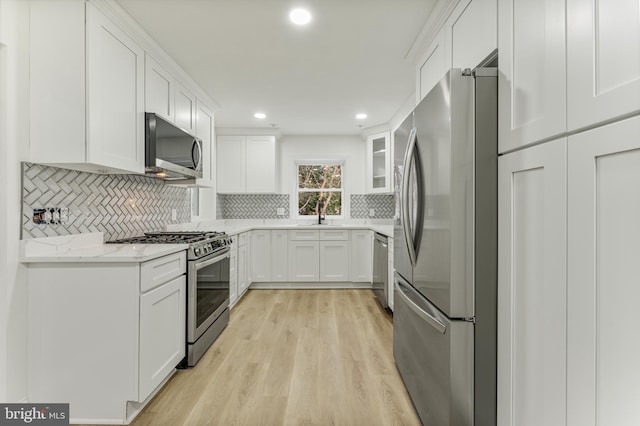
(390, 289)
(233, 273)
(334, 260)
(205, 131)
(260, 255)
(304, 261)
(361, 256)
(532, 72)
(230, 164)
(57, 89)
(279, 255)
(243, 283)
(532, 306)
(603, 271)
(471, 32)
(432, 68)
(379, 163)
(185, 109)
(115, 95)
(162, 333)
(603, 60)
(158, 89)
(261, 164)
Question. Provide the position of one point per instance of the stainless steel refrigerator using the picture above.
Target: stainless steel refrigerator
(445, 250)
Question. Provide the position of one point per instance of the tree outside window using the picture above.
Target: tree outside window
(319, 184)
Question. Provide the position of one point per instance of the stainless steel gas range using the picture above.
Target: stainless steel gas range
(207, 284)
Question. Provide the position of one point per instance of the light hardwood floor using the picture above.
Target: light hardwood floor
(292, 357)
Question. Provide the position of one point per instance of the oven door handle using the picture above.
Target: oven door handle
(200, 265)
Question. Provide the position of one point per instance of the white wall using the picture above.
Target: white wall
(350, 149)
(14, 147)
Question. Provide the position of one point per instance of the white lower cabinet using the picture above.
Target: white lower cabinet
(334, 260)
(261, 260)
(532, 290)
(243, 265)
(304, 261)
(309, 255)
(103, 335)
(603, 269)
(361, 256)
(162, 333)
(233, 273)
(279, 255)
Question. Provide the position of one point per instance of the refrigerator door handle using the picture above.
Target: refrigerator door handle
(426, 316)
(406, 215)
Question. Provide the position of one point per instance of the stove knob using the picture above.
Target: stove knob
(197, 251)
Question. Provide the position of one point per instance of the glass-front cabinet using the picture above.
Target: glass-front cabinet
(379, 162)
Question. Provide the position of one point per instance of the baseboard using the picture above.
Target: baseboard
(309, 285)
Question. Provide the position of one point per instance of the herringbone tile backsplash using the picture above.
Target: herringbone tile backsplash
(382, 204)
(263, 206)
(120, 206)
(252, 206)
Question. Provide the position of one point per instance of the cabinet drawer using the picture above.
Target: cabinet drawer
(304, 235)
(159, 271)
(242, 239)
(334, 235)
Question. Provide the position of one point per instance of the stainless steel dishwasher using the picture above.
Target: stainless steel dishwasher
(380, 281)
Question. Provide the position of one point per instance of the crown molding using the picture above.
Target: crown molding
(436, 21)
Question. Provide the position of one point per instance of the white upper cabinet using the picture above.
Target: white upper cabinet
(603, 269)
(115, 98)
(379, 163)
(468, 37)
(159, 88)
(603, 60)
(246, 164)
(472, 32)
(205, 131)
(185, 109)
(87, 111)
(532, 288)
(431, 67)
(532, 72)
(231, 164)
(261, 164)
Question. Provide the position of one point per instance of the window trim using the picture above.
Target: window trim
(296, 190)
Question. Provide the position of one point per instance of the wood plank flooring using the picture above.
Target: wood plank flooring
(292, 357)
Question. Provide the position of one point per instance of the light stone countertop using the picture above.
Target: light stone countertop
(89, 248)
(238, 227)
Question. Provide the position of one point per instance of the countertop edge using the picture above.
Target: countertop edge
(121, 254)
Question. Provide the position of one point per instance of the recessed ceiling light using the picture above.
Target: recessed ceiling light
(260, 115)
(361, 116)
(300, 16)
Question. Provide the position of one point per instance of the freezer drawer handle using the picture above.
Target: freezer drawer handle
(434, 322)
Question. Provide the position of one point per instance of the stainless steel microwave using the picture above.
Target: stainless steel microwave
(170, 152)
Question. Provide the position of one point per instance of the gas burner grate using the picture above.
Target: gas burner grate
(169, 238)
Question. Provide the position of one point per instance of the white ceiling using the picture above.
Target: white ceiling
(308, 80)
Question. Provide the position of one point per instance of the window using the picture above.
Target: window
(319, 184)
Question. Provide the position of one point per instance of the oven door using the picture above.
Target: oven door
(207, 292)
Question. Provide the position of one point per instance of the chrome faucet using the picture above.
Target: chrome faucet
(320, 217)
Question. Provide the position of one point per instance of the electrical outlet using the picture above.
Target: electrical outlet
(174, 214)
(280, 211)
(372, 212)
(51, 216)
